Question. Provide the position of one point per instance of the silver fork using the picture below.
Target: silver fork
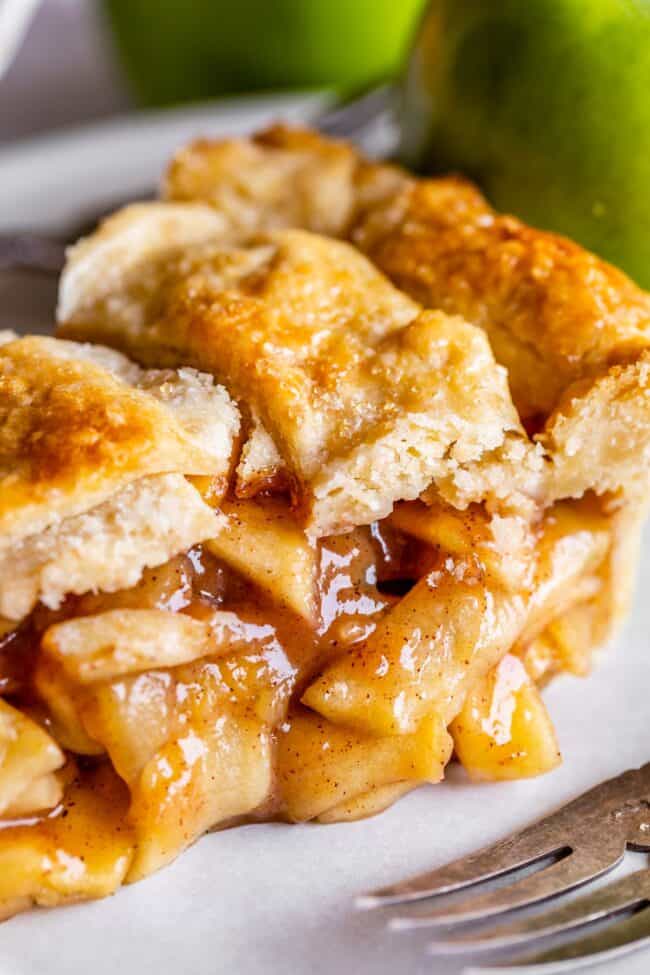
(580, 842)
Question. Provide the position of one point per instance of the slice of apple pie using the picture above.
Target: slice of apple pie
(355, 467)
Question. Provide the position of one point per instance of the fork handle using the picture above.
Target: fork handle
(370, 121)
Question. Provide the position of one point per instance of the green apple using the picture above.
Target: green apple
(546, 103)
(178, 50)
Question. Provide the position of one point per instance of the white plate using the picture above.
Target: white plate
(276, 900)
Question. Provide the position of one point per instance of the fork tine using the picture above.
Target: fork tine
(521, 850)
(617, 939)
(627, 892)
(572, 827)
(576, 869)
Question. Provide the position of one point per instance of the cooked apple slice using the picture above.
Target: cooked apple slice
(191, 755)
(27, 753)
(367, 804)
(61, 699)
(123, 641)
(453, 626)
(192, 742)
(218, 768)
(503, 730)
(503, 544)
(441, 637)
(262, 541)
(43, 793)
(82, 852)
(567, 641)
(575, 541)
(322, 766)
(136, 715)
(132, 717)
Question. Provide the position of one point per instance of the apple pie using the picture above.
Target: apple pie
(327, 471)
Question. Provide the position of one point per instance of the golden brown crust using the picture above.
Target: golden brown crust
(561, 320)
(136, 243)
(281, 177)
(599, 435)
(554, 312)
(106, 548)
(72, 433)
(366, 400)
(284, 178)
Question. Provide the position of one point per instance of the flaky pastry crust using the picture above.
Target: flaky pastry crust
(73, 432)
(366, 399)
(566, 325)
(107, 547)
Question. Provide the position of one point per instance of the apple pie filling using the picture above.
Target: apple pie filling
(299, 680)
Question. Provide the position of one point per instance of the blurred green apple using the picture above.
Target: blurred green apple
(546, 103)
(178, 50)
